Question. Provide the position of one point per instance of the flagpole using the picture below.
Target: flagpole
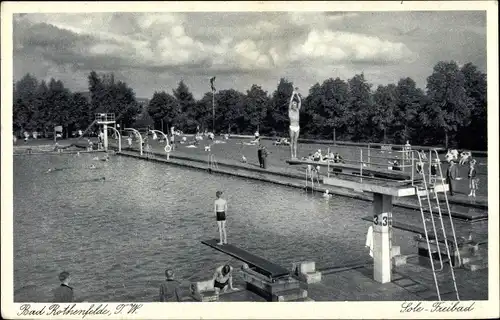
(213, 112)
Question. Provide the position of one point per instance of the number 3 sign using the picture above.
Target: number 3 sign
(381, 219)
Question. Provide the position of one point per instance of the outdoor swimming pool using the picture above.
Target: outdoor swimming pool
(117, 236)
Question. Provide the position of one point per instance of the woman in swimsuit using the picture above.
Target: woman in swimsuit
(220, 208)
(223, 277)
(293, 114)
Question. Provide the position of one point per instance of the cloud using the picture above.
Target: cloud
(337, 47)
(246, 47)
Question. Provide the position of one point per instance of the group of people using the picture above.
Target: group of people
(453, 173)
(318, 156)
(170, 288)
(453, 176)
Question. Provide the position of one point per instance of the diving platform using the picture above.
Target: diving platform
(396, 191)
(259, 264)
(267, 279)
(355, 169)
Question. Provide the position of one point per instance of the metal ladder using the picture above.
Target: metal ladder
(310, 170)
(212, 163)
(425, 192)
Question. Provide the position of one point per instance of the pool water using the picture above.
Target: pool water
(117, 236)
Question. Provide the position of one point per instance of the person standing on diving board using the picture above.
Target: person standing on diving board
(293, 114)
(220, 208)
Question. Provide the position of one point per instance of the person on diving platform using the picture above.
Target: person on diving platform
(293, 114)
(220, 208)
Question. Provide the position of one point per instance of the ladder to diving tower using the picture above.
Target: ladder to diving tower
(427, 191)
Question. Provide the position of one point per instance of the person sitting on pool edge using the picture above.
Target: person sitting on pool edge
(63, 293)
(223, 278)
(169, 289)
(220, 208)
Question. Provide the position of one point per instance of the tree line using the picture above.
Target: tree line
(452, 111)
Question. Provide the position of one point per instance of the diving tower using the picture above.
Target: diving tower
(418, 175)
(106, 119)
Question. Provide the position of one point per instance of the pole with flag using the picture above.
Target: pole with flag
(212, 80)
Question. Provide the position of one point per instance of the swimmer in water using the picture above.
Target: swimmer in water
(327, 194)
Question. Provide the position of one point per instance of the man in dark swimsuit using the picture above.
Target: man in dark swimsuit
(223, 277)
(220, 208)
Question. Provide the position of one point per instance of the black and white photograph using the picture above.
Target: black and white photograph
(205, 153)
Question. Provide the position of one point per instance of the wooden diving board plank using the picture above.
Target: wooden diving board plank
(262, 265)
(393, 174)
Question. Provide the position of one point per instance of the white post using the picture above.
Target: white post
(382, 256)
(369, 162)
(328, 164)
(105, 128)
(361, 165)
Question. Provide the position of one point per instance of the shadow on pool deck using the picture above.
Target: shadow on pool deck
(410, 282)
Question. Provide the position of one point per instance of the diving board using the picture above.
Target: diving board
(260, 265)
(341, 167)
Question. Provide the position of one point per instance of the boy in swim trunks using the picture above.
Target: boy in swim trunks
(220, 208)
(473, 180)
(223, 277)
(293, 114)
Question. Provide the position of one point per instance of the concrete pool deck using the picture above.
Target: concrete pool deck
(410, 282)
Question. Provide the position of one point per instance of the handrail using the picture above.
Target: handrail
(426, 233)
(119, 138)
(139, 135)
(162, 133)
(448, 208)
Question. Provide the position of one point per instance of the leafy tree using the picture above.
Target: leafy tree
(164, 109)
(277, 115)
(229, 110)
(204, 112)
(309, 120)
(110, 96)
(187, 105)
(81, 109)
(257, 103)
(409, 100)
(60, 99)
(475, 135)
(450, 106)
(46, 111)
(24, 107)
(359, 108)
(385, 103)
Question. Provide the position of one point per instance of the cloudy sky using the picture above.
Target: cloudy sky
(154, 51)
